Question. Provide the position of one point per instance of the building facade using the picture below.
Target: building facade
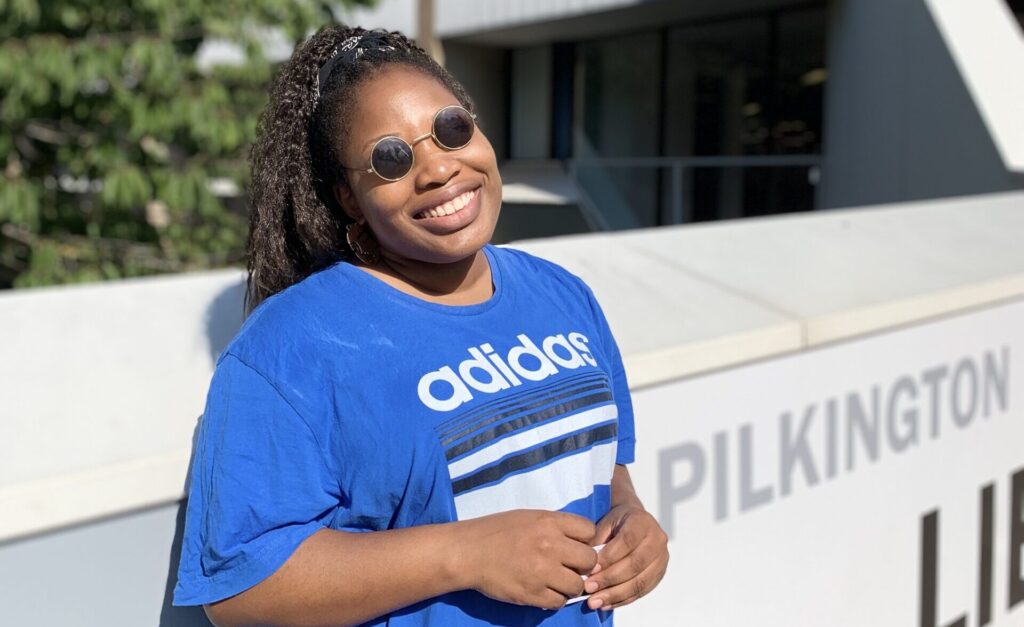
(616, 114)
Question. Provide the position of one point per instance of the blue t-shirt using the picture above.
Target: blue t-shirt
(347, 404)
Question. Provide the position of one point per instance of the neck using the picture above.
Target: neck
(460, 282)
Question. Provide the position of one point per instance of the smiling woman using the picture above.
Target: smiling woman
(383, 441)
(444, 207)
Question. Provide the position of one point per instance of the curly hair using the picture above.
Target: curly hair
(296, 226)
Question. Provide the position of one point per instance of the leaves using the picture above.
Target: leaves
(19, 204)
(111, 134)
(126, 187)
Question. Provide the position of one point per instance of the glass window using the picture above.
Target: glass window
(531, 103)
(743, 87)
(718, 79)
(617, 115)
(800, 85)
(746, 87)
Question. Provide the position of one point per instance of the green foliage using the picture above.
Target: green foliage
(110, 133)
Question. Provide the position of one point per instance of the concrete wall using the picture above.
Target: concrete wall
(103, 384)
(900, 123)
(118, 572)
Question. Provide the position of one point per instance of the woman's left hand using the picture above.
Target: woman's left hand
(633, 560)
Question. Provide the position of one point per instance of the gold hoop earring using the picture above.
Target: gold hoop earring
(362, 242)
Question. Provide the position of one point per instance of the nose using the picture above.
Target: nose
(437, 166)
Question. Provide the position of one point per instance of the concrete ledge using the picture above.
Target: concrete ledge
(869, 319)
(73, 498)
(794, 281)
(103, 383)
(650, 367)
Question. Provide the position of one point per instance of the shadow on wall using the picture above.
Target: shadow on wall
(171, 616)
(224, 317)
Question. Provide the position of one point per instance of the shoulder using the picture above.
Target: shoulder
(524, 265)
(286, 321)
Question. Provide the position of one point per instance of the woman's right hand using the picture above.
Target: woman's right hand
(528, 557)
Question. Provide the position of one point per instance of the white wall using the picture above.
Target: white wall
(102, 387)
(796, 489)
(103, 384)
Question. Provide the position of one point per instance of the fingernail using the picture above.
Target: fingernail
(596, 603)
(597, 569)
(591, 587)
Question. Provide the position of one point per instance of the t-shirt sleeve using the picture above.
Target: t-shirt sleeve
(626, 451)
(260, 484)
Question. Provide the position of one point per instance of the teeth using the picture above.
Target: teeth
(452, 206)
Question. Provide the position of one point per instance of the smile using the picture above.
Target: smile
(454, 205)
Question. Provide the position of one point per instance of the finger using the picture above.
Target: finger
(576, 527)
(551, 599)
(578, 556)
(626, 568)
(630, 535)
(603, 532)
(617, 573)
(630, 590)
(567, 582)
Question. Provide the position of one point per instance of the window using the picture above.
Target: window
(746, 87)
(617, 112)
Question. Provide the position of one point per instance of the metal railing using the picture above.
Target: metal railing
(613, 212)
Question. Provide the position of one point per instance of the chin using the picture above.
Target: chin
(454, 254)
(464, 243)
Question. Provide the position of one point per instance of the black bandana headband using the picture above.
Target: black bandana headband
(349, 51)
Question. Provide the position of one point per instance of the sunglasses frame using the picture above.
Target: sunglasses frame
(412, 144)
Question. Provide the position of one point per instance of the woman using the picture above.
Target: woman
(412, 427)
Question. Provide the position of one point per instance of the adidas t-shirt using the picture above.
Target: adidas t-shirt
(348, 404)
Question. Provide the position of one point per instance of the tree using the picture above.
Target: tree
(120, 155)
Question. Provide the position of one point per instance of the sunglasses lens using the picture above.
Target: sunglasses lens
(392, 158)
(453, 127)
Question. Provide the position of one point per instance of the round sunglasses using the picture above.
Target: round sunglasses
(391, 157)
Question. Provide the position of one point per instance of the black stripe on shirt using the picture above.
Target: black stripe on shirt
(518, 409)
(535, 457)
(522, 422)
